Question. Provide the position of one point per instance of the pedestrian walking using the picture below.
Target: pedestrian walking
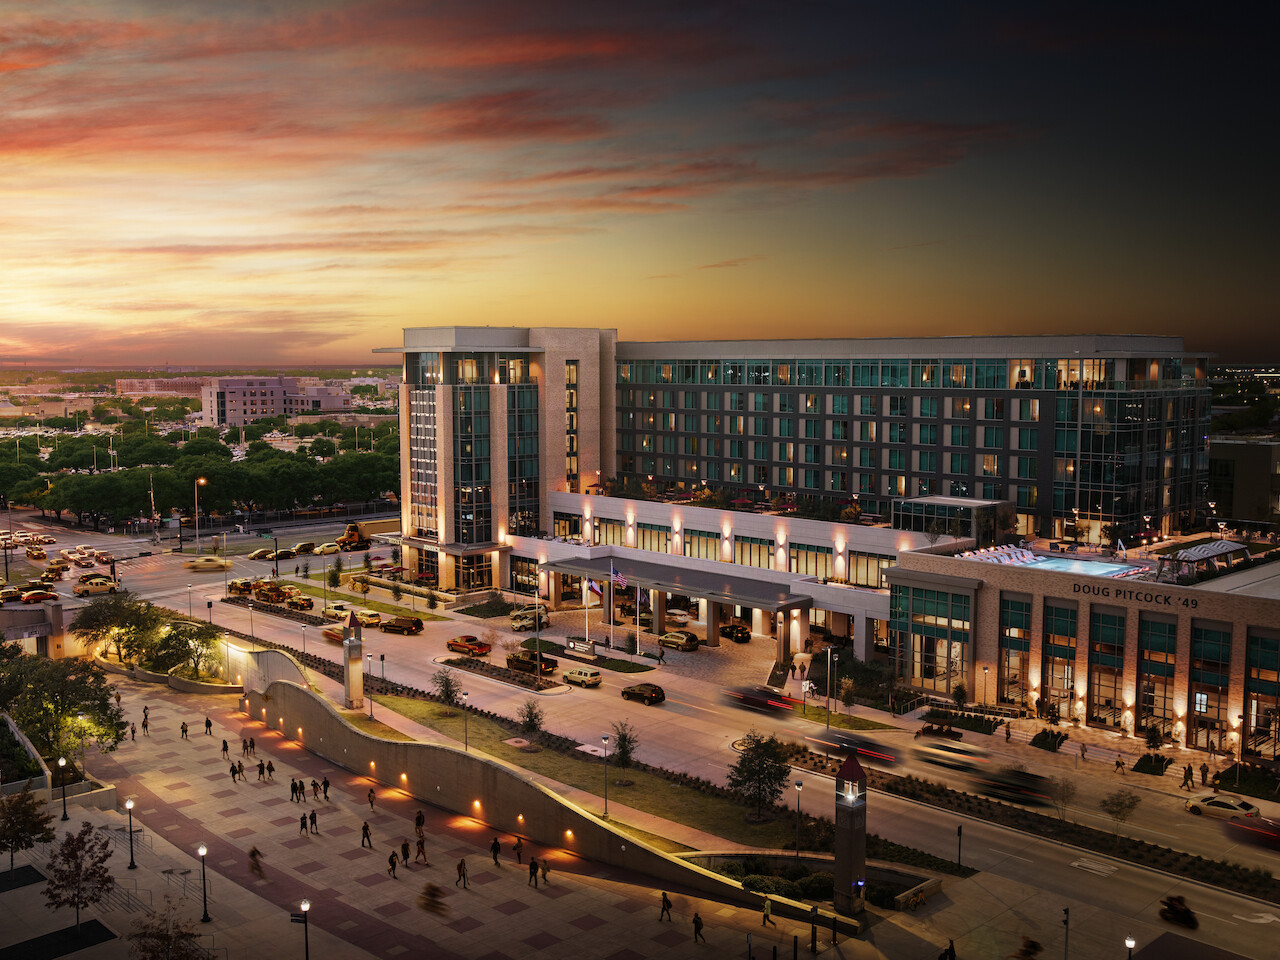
(234, 773)
(1213, 749)
(793, 670)
(184, 730)
(1083, 750)
(240, 768)
(418, 821)
(117, 699)
(462, 874)
(697, 928)
(1008, 732)
(253, 750)
(495, 848)
(404, 852)
(255, 861)
(545, 867)
(315, 789)
(662, 655)
(533, 872)
(371, 799)
(262, 770)
(1188, 778)
(324, 785)
(1215, 782)
(133, 731)
(226, 751)
(766, 914)
(293, 790)
(244, 748)
(1204, 774)
(271, 770)
(518, 849)
(666, 908)
(422, 852)
(950, 952)
(1119, 764)
(302, 823)
(312, 820)
(391, 865)
(208, 727)
(145, 727)
(365, 839)
(297, 569)
(146, 712)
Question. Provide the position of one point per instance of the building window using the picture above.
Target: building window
(753, 552)
(701, 544)
(810, 560)
(652, 537)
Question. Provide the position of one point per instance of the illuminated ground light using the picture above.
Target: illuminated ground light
(568, 835)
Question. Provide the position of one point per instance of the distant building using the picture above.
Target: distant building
(1244, 479)
(235, 401)
(168, 386)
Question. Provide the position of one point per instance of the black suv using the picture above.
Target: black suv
(650, 693)
(526, 661)
(401, 625)
(735, 632)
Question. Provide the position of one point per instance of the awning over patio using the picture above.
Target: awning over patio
(670, 578)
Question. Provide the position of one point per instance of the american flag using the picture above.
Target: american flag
(618, 579)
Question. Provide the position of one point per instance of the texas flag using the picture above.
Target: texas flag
(595, 588)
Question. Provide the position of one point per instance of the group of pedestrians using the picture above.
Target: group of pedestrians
(665, 914)
(536, 867)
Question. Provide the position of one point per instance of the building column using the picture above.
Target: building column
(713, 622)
(659, 611)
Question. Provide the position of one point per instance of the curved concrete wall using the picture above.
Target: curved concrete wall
(471, 785)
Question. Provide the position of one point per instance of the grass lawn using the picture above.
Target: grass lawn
(490, 608)
(360, 720)
(844, 721)
(318, 592)
(649, 792)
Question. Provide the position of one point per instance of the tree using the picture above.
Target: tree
(530, 717)
(448, 689)
(23, 822)
(960, 695)
(78, 874)
(197, 640)
(165, 935)
(106, 618)
(54, 697)
(1155, 739)
(761, 773)
(335, 575)
(397, 592)
(1061, 792)
(306, 569)
(625, 742)
(1119, 806)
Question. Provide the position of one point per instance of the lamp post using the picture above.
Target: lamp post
(1239, 758)
(466, 740)
(1130, 943)
(369, 672)
(62, 775)
(128, 805)
(605, 740)
(306, 936)
(836, 656)
(799, 787)
(204, 887)
(985, 671)
(251, 621)
(200, 482)
(304, 642)
(188, 599)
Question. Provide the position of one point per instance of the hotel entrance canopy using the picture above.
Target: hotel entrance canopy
(768, 595)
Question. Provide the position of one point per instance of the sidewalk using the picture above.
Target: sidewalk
(184, 796)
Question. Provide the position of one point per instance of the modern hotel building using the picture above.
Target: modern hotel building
(509, 433)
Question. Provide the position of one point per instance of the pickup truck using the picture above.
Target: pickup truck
(527, 662)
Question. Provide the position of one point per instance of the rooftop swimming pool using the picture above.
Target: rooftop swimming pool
(1081, 567)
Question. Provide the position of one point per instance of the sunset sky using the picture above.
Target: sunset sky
(285, 181)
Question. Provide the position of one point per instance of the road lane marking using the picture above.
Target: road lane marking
(1012, 856)
(1095, 867)
(1257, 918)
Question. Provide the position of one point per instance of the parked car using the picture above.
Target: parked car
(9, 594)
(298, 601)
(207, 564)
(471, 646)
(583, 676)
(526, 661)
(405, 625)
(1225, 806)
(681, 640)
(97, 584)
(760, 697)
(735, 632)
(678, 617)
(650, 693)
(337, 611)
(303, 547)
(282, 554)
(262, 553)
(38, 596)
(368, 618)
(527, 621)
(240, 586)
(325, 549)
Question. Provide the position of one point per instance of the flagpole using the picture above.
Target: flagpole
(611, 575)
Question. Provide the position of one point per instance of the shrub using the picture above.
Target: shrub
(760, 883)
(1049, 740)
(817, 886)
(732, 870)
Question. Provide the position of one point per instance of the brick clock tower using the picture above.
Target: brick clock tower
(851, 837)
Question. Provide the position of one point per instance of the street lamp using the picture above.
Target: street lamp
(128, 805)
(369, 672)
(306, 937)
(304, 643)
(204, 887)
(200, 482)
(250, 621)
(188, 599)
(830, 655)
(466, 741)
(799, 787)
(1130, 943)
(605, 740)
(985, 671)
(1239, 758)
(62, 774)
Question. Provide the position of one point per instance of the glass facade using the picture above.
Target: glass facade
(523, 481)
(1058, 660)
(1012, 687)
(1157, 646)
(1210, 679)
(929, 635)
(473, 506)
(1106, 667)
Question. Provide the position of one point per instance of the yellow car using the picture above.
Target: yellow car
(207, 564)
(368, 618)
